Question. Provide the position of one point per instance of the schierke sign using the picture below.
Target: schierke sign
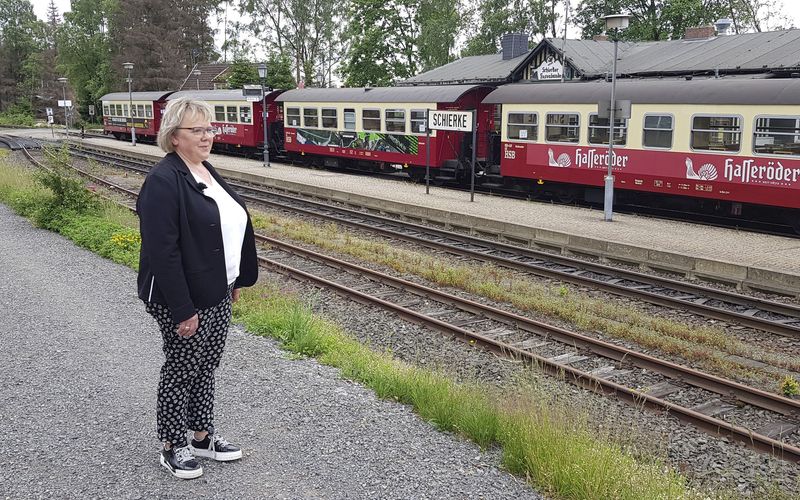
(450, 120)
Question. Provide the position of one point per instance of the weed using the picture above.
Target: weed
(790, 386)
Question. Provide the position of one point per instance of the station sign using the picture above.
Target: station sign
(450, 120)
(91, 110)
(49, 111)
(65, 104)
(50, 119)
(622, 109)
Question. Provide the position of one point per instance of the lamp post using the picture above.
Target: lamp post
(262, 74)
(614, 23)
(64, 89)
(196, 74)
(129, 67)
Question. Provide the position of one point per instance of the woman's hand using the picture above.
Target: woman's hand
(188, 327)
(235, 294)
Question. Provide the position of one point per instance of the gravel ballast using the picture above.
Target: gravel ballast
(80, 367)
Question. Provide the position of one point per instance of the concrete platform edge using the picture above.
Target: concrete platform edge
(709, 270)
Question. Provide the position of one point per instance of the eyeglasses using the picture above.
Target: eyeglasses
(199, 131)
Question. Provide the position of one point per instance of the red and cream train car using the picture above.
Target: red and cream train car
(381, 128)
(140, 109)
(730, 147)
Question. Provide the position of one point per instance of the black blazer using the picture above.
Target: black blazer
(182, 261)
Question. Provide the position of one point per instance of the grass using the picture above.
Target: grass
(100, 226)
(557, 452)
(706, 346)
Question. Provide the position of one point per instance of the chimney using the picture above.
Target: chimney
(699, 33)
(514, 45)
(600, 38)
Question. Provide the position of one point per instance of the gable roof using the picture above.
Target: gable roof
(473, 69)
(209, 75)
(775, 51)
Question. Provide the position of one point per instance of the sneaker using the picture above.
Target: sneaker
(180, 463)
(215, 448)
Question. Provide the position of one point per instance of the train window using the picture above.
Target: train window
(119, 109)
(140, 110)
(231, 115)
(498, 118)
(219, 113)
(716, 133)
(349, 119)
(777, 135)
(244, 114)
(562, 127)
(310, 117)
(657, 131)
(371, 119)
(293, 116)
(133, 110)
(125, 110)
(599, 128)
(106, 110)
(523, 126)
(329, 119)
(418, 121)
(149, 110)
(396, 120)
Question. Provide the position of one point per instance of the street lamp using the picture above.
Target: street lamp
(129, 67)
(262, 73)
(614, 23)
(196, 74)
(64, 87)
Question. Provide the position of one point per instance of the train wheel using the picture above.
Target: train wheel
(417, 174)
(566, 196)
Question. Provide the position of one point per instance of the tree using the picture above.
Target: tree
(381, 36)
(84, 49)
(242, 72)
(498, 17)
(305, 30)
(439, 24)
(279, 72)
(21, 40)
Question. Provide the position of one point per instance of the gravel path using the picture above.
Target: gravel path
(79, 369)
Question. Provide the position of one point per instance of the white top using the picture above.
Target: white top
(233, 222)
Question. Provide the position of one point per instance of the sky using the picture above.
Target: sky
(790, 7)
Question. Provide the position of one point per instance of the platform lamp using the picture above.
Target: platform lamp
(262, 74)
(614, 23)
(129, 67)
(197, 74)
(64, 89)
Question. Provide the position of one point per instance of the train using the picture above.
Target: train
(728, 147)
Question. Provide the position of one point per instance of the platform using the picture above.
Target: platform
(740, 258)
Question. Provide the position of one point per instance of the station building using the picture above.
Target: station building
(701, 53)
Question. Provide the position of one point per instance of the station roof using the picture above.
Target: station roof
(136, 96)
(474, 69)
(765, 52)
(759, 91)
(430, 93)
(745, 53)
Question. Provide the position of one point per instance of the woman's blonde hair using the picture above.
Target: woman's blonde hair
(174, 113)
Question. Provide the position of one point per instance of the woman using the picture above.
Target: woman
(198, 250)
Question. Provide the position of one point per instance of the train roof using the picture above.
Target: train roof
(433, 93)
(217, 95)
(776, 91)
(137, 96)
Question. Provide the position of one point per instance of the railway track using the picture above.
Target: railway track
(713, 404)
(765, 315)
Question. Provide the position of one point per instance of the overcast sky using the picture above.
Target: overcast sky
(791, 9)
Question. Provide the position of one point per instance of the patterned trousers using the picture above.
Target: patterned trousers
(186, 386)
